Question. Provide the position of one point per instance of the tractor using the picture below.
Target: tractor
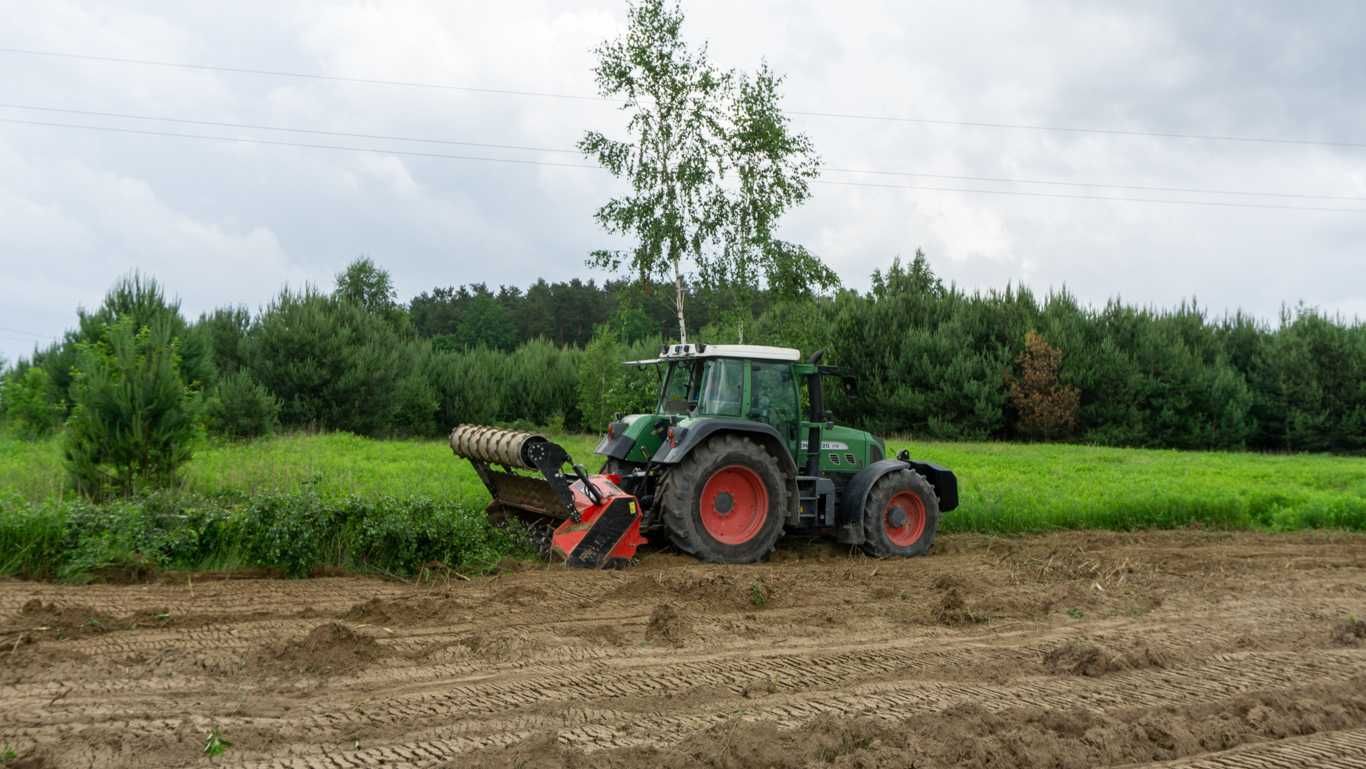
(738, 451)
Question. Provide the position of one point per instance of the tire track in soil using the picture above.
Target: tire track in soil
(637, 672)
(1222, 678)
(1325, 750)
(1234, 613)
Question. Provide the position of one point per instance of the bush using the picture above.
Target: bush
(294, 532)
(31, 405)
(1046, 408)
(415, 407)
(606, 386)
(332, 364)
(239, 407)
(134, 420)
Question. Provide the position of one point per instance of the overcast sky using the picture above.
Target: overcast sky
(225, 223)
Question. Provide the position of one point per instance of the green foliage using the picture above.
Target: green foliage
(215, 744)
(540, 385)
(364, 285)
(294, 532)
(134, 420)
(931, 360)
(606, 387)
(224, 331)
(29, 401)
(140, 302)
(332, 364)
(240, 407)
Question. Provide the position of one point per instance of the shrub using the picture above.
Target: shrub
(31, 404)
(414, 406)
(1046, 408)
(134, 419)
(606, 386)
(239, 407)
(333, 364)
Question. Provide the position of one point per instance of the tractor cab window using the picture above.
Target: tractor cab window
(773, 395)
(722, 387)
(679, 396)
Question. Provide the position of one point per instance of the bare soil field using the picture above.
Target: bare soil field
(1180, 649)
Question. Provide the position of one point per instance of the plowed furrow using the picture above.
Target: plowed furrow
(1325, 750)
(596, 730)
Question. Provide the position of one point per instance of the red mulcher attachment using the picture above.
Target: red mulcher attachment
(601, 523)
(607, 530)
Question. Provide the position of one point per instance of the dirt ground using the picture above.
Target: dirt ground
(1190, 649)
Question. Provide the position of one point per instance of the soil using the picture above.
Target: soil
(1190, 649)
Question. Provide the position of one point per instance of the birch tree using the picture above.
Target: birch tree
(711, 161)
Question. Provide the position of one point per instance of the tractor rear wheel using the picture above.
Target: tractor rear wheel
(724, 502)
(900, 516)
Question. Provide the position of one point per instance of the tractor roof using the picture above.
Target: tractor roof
(688, 351)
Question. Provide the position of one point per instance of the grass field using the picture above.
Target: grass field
(1005, 487)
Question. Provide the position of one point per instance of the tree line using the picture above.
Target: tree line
(135, 382)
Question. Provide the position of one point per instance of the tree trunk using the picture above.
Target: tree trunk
(678, 301)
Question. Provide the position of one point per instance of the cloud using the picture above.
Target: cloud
(225, 223)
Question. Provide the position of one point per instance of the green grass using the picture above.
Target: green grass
(365, 503)
(1030, 487)
(1005, 487)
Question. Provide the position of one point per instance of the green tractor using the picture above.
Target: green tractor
(739, 450)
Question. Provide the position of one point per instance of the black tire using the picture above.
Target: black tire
(891, 530)
(725, 457)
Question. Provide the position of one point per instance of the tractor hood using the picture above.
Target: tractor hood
(633, 438)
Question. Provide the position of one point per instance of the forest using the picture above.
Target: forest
(931, 361)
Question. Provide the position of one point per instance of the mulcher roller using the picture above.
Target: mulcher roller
(492, 445)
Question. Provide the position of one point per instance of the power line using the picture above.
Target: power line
(921, 174)
(1059, 182)
(518, 161)
(1067, 196)
(1075, 129)
(271, 142)
(319, 132)
(586, 98)
(25, 333)
(300, 75)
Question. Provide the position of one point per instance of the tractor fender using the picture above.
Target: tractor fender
(685, 439)
(850, 527)
(615, 443)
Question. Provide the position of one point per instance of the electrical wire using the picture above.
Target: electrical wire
(528, 148)
(318, 132)
(274, 143)
(586, 98)
(519, 161)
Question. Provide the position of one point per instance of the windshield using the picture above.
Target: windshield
(715, 386)
(677, 397)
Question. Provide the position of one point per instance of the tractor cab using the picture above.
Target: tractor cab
(770, 386)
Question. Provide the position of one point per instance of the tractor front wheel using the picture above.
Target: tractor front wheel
(724, 502)
(900, 516)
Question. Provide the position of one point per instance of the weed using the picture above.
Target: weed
(1075, 613)
(758, 594)
(215, 744)
(7, 754)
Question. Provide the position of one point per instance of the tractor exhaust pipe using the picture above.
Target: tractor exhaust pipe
(813, 436)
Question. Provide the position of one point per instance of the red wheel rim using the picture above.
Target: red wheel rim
(733, 505)
(907, 509)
